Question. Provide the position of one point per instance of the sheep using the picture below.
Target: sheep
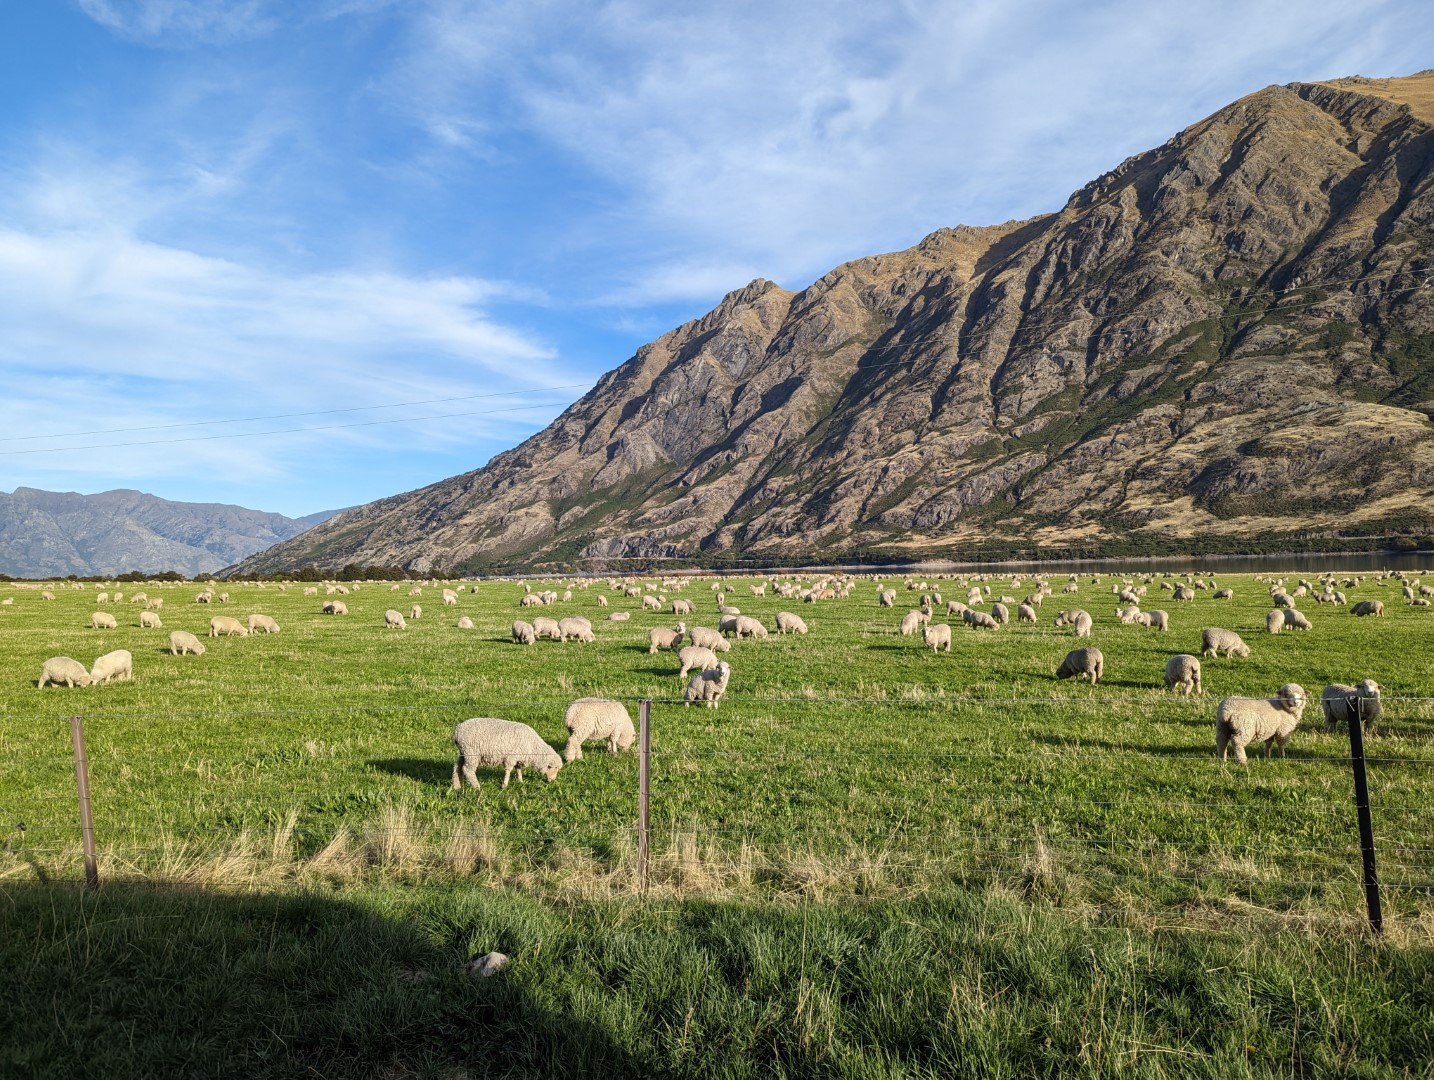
(1159, 620)
(394, 619)
(523, 632)
(710, 686)
(886, 597)
(728, 610)
(695, 656)
(545, 627)
(651, 603)
(1078, 619)
(465, 623)
(1223, 594)
(1282, 599)
(449, 598)
(1296, 620)
(1240, 721)
(1184, 592)
(1368, 607)
(619, 616)
(937, 636)
(102, 620)
(911, 620)
(1214, 641)
(417, 590)
(531, 600)
(1087, 663)
(602, 601)
(1001, 613)
(182, 641)
(576, 627)
(154, 605)
(112, 665)
(224, 624)
(1275, 621)
(1343, 704)
(415, 611)
(592, 718)
(1182, 673)
(335, 607)
(1129, 616)
(61, 669)
(483, 740)
(750, 627)
(660, 638)
(1025, 613)
(979, 620)
(787, 621)
(684, 607)
(102, 598)
(224, 598)
(709, 639)
(264, 623)
(313, 590)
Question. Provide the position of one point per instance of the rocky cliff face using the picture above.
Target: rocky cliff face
(1232, 334)
(53, 534)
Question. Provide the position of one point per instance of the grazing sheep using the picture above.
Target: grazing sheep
(576, 627)
(1296, 620)
(684, 607)
(1184, 592)
(1275, 621)
(750, 627)
(449, 598)
(523, 632)
(182, 641)
(710, 686)
(1087, 663)
(264, 623)
(313, 590)
(545, 627)
(787, 621)
(911, 620)
(228, 626)
(465, 623)
(709, 639)
(1025, 613)
(1159, 620)
(154, 605)
(112, 665)
(1214, 641)
(102, 598)
(61, 669)
(602, 601)
(886, 597)
(1240, 721)
(1182, 672)
(206, 596)
(695, 656)
(1078, 619)
(482, 740)
(1368, 607)
(1344, 704)
(102, 620)
(48, 595)
(394, 619)
(1001, 613)
(415, 612)
(150, 619)
(938, 635)
(651, 603)
(1223, 594)
(335, 607)
(593, 718)
(1282, 599)
(531, 600)
(224, 598)
(661, 638)
(979, 620)
(619, 616)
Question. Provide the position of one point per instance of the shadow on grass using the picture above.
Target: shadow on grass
(1127, 748)
(424, 770)
(194, 982)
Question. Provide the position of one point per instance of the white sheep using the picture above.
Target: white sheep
(592, 718)
(709, 639)
(937, 636)
(1001, 613)
(523, 632)
(710, 686)
(1025, 613)
(1182, 672)
(112, 665)
(979, 620)
(415, 612)
(335, 607)
(576, 627)
(182, 641)
(1368, 607)
(228, 626)
(1077, 618)
(102, 620)
(1087, 663)
(262, 622)
(394, 619)
(695, 656)
(61, 669)
(545, 627)
(619, 616)
(662, 638)
(651, 603)
(1275, 621)
(1345, 704)
(750, 627)
(450, 598)
(150, 619)
(786, 621)
(913, 619)
(483, 740)
(886, 597)
(1214, 641)
(602, 601)
(1296, 620)
(1159, 620)
(1240, 721)
(683, 607)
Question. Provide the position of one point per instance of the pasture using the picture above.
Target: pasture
(850, 772)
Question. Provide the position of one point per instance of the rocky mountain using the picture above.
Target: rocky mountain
(54, 534)
(1227, 339)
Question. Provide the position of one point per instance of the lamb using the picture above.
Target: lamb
(911, 620)
(1275, 621)
(1214, 641)
(465, 623)
(394, 619)
(710, 686)
(523, 632)
(750, 627)
(662, 637)
(1240, 721)
(228, 626)
(264, 623)
(61, 669)
(415, 612)
(592, 718)
(937, 636)
(150, 619)
(979, 620)
(602, 601)
(1087, 663)
(112, 665)
(1344, 704)
(483, 740)
(576, 627)
(1368, 607)
(1182, 672)
(182, 641)
(709, 639)
(787, 621)
(546, 627)
(695, 656)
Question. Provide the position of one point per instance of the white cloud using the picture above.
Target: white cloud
(184, 22)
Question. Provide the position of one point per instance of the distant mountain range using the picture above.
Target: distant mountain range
(54, 534)
(1227, 340)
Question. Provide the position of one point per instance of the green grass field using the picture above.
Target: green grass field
(852, 782)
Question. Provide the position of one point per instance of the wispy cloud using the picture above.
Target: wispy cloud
(184, 22)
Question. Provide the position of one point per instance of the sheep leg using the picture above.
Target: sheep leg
(573, 750)
(519, 772)
(507, 773)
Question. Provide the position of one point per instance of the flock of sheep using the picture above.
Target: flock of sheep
(1240, 721)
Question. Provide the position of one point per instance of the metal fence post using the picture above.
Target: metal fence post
(87, 821)
(644, 783)
(1361, 805)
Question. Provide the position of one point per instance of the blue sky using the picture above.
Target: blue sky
(317, 213)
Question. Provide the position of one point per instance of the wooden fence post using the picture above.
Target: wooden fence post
(1361, 806)
(644, 785)
(87, 821)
